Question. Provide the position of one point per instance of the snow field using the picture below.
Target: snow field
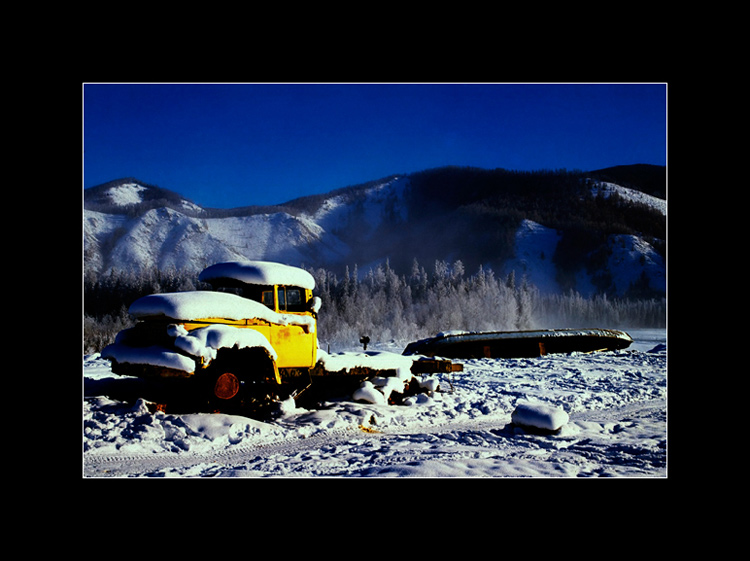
(615, 404)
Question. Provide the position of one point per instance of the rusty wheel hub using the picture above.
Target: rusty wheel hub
(227, 386)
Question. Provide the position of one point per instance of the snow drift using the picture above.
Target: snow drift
(615, 403)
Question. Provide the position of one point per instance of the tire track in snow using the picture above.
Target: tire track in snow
(96, 464)
(138, 464)
(387, 446)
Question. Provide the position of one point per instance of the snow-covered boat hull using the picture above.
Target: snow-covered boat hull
(519, 344)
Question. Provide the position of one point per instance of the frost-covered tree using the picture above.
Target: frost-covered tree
(385, 305)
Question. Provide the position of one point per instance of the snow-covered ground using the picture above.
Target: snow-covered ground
(612, 406)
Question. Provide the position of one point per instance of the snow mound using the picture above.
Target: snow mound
(539, 416)
(369, 393)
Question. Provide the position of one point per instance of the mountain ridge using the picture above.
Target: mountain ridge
(493, 218)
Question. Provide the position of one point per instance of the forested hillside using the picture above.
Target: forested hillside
(473, 214)
(403, 257)
(386, 306)
(445, 214)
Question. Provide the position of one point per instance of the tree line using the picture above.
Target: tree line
(390, 307)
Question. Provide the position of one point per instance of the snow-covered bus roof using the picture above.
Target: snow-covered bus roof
(259, 272)
(196, 305)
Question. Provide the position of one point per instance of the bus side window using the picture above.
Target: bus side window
(294, 300)
(268, 298)
(282, 299)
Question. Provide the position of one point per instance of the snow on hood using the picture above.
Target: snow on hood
(259, 272)
(204, 304)
(154, 356)
(205, 341)
(200, 343)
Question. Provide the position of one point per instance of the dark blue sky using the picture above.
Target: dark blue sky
(231, 145)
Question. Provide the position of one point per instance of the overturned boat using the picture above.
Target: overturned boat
(518, 344)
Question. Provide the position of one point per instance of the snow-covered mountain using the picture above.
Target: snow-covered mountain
(185, 236)
(131, 225)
